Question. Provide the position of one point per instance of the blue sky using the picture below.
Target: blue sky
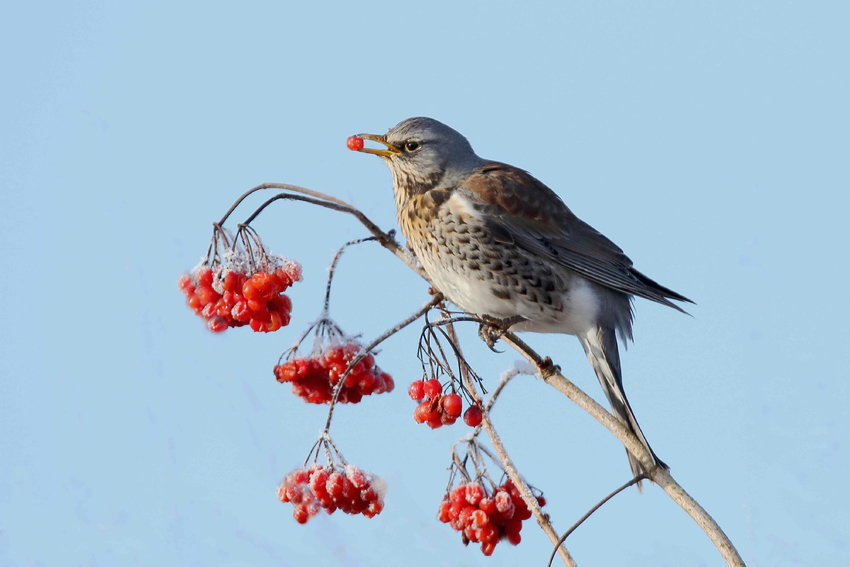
(708, 141)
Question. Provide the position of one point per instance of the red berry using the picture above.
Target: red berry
(389, 383)
(207, 294)
(447, 419)
(488, 532)
(432, 388)
(488, 505)
(478, 518)
(465, 517)
(354, 143)
(420, 413)
(435, 421)
(240, 312)
(474, 493)
(369, 494)
(488, 547)
(357, 478)
(513, 526)
(281, 494)
(375, 508)
(504, 504)
(293, 270)
(216, 324)
(300, 514)
(205, 276)
(208, 310)
(335, 484)
(443, 512)
(282, 303)
(452, 404)
(318, 483)
(459, 494)
(416, 390)
(294, 494)
(472, 416)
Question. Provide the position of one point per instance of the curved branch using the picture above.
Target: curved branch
(328, 202)
(590, 512)
(658, 475)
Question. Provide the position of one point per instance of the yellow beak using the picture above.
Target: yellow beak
(390, 151)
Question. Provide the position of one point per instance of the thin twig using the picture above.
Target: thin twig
(599, 504)
(328, 202)
(293, 188)
(513, 473)
(335, 261)
(371, 346)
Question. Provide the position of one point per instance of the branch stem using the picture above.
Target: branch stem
(658, 475)
(510, 468)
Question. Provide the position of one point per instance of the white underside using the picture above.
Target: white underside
(579, 315)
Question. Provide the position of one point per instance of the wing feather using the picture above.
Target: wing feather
(518, 208)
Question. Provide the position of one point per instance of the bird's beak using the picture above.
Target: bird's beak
(390, 150)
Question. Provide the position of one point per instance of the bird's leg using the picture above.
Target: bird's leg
(492, 329)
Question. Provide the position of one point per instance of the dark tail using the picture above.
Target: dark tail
(600, 345)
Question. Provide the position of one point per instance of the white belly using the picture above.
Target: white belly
(475, 295)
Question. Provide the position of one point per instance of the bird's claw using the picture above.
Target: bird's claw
(490, 335)
(492, 329)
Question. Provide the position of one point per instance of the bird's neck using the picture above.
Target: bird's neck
(406, 186)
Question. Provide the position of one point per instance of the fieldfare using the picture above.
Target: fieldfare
(500, 244)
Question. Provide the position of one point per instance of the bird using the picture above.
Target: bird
(500, 244)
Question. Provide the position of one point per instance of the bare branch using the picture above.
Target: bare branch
(335, 261)
(658, 475)
(590, 512)
(328, 202)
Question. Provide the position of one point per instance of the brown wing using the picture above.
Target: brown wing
(521, 210)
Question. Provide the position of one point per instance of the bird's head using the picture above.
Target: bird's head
(423, 154)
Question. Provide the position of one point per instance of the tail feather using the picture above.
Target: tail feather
(600, 345)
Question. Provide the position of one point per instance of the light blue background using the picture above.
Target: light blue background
(709, 141)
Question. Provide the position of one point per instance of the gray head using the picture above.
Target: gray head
(422, 154)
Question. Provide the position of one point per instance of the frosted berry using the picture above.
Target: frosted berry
(416, 391)
(313, 378)
(225, 297)
(432, 388)
(485, 518)
(331, 488)
(354, 143)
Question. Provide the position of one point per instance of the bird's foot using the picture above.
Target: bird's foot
(492, 329)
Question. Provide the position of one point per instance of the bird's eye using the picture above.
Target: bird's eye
(411, 146)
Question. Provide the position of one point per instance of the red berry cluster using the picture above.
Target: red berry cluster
(226, 298)
(438, 409)
(354, 143)
(329, 488)
(313, 378)
(486, 519)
